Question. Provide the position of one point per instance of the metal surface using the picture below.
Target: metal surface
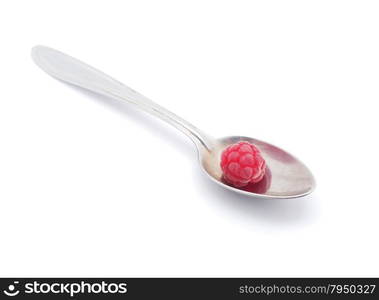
(286, 176)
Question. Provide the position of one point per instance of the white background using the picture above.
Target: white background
(93, 187)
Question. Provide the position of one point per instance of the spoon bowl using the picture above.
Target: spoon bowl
(285, 176)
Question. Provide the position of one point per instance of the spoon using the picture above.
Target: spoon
(285, 176)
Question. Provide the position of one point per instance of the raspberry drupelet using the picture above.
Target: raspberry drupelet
(242, 164)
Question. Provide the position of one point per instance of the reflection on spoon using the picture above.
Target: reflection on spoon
(260, 187)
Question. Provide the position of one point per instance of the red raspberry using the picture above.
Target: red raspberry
(242, 164)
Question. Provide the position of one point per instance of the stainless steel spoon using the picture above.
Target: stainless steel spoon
(286, 176)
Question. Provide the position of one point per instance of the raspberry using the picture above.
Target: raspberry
(242, 164)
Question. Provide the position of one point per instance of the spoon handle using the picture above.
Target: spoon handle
(73, 71)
